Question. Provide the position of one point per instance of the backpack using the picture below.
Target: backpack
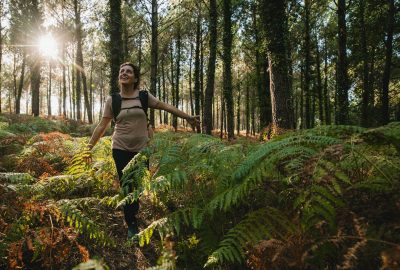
(144, 100)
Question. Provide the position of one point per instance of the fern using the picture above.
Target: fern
(83, 224)
(267, 222)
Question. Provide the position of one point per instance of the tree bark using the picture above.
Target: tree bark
(115, 53)
(275, 25)
(178, 74)
(388, 64)
(21, 84)
(154, 53)
(342, 112)
(365, 106)
(197, 69)
(227, 66)
(49, 91)
(307, 65)
(209, 93)
(319, 86)
(261, 80)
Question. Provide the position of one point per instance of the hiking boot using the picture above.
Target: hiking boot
(133, 230)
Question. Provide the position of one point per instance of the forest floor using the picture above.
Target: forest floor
(20, 250)
(326, 198)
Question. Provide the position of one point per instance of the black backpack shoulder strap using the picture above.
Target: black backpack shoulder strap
(116, 104)
(144, 100)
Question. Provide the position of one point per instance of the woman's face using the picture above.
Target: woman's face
(126, 75)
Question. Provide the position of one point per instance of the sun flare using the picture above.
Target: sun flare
(48, 46)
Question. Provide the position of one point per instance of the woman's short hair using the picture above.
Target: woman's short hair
(136, 73)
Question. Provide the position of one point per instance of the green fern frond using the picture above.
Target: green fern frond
(146, 234)
(77, 219)
(266, 222)
(17, 178)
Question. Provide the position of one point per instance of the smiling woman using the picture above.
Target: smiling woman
(48, 46)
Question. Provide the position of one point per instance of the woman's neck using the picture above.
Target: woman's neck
(127, 90)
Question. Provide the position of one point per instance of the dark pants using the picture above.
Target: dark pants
(121, 159)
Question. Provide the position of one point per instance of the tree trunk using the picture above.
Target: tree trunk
(326, 92)
(197, 69)
(164, 96)
(275, 23)
(178, 74)
(78, 36)
(49, 92)
(154, 52)
(14, 77)
(190, 80)
(247, 109)
(209, 93)
(125, 55)
(388, 63)
(307, 65)
(365, 106)
(342, 112)
(238, 114)
(64, 81)
(21, 84)
(35, 86)
(319, 85)
(227, 66)
(261, 80)
(115, 53)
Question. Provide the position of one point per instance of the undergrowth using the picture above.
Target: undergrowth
(325, 198)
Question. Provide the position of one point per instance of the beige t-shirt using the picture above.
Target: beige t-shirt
(130, 131)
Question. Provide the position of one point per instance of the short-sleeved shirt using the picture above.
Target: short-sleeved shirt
(130, 131)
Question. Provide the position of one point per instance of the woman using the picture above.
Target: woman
(130, 133)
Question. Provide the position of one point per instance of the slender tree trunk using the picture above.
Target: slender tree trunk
(172, 82)
(64, 81)
(14, 77)
(307, 65)
(190, 79)
(197, 68)
(238, 114)
(388, 64)
(319, 85)
(154, 52)
(365, 106)
(164, 96)
(49, 92)
(262, 88)
(78, 36)
(101, 94)
(21, 84)
(209, 93)
(115, 52)
(275, 23)
(326, 92)
(227, 66)
(140, 53)
(35, 86)
(303, 122)
(178, 74)
(371, 85)
(125, 55)
(342, 116)
(91, 85)
(247, 109)
(221, 134)
(201, 75)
